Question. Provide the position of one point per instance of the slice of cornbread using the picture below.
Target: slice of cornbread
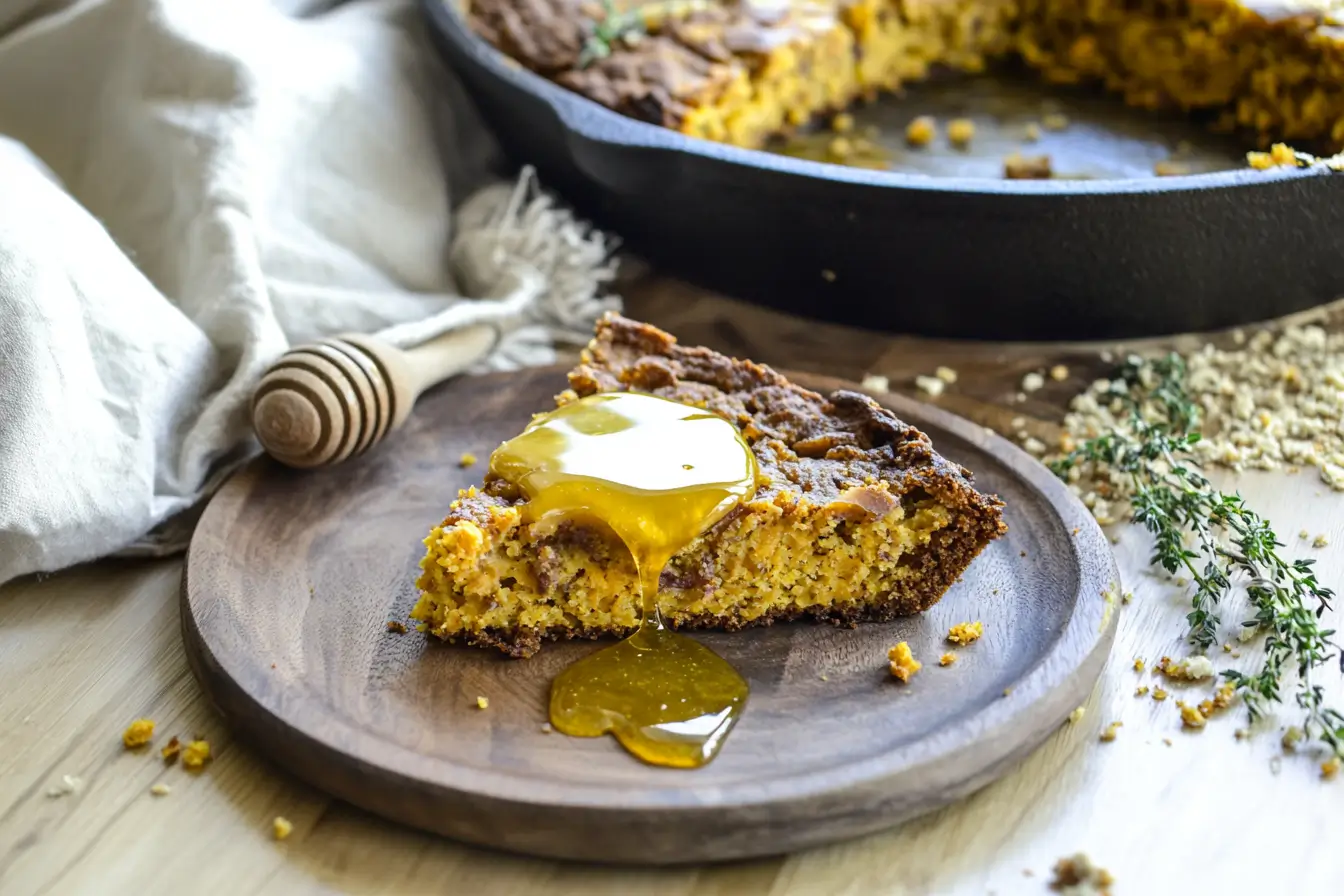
(855, 518)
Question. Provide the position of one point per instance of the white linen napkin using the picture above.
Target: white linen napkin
(218, 181)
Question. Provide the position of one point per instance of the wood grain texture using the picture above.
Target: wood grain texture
(84, 652)
(291, 578)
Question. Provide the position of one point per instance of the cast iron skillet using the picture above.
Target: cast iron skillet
(961, 257)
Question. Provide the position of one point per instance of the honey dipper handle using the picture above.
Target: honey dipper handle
(437, 359)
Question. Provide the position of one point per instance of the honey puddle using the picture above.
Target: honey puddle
(658, 473)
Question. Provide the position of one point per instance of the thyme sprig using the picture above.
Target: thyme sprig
(1215, 539)
(629, 25)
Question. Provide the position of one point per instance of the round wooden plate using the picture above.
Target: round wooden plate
(292, 576)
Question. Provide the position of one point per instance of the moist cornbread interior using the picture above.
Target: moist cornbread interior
(741, 72)
(855, 518)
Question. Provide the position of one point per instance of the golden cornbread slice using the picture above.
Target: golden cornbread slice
(743, 71)
(855, 518)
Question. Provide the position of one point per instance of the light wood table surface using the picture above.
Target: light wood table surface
(85, 651)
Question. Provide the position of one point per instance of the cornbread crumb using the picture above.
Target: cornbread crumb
(282, 827)
(1059, 373)
(195, 754)
(1330, 768)
(171, 749)
(1020, 167)
(396, 627)
(1241, 733)
(1191, 717)
(842, 123)
(1191, 668)
(161, 789)
(422, 627)
(876, 383)
(1055, 121)
(467, 459)
(921, 131)
(903, 662)
(1159, 695)
(946, 374)
(1291, 738)
(1032, 132)
(1170, 168)
(1007, 692)
(930, 385)
(1141, 690)
(1108, 734)
(546, 728)
(138, 733)
(964, 633)
(1077, 715)
(1032, 382)
(1138, 664)
(947, 659)
(1304, 535)
(482, 702)
(1077, 875)
(960, 132)
(1320, 541)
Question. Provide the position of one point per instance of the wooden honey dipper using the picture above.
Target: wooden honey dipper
(320, 404)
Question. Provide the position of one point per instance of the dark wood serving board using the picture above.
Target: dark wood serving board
(292, 576)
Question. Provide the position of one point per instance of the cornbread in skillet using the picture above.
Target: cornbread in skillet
(742, 71)
(855, 518)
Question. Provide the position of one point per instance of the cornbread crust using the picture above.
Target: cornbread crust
(847, 495)
(742, 71)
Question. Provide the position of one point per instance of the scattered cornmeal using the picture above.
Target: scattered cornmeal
(160, 789)
(466, 460)
(1320, 541)
(171, 749)
(1138, 664)
(1330, 768)
(1191, 717)
(947, 659)
(965, 632)
(1020, 167)
(960, 132)
(282, 827)
(1078, 875)
(1159, 695)
(921, 131)
(138, 733)
(1141, 690)
(1190, 668)
(903, 662)
(1055, 121)
(482, 703)
(195, 754)
(397, 627)
(1077, 715)
(1111, 730)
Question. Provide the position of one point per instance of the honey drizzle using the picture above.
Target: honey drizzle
(658, 474)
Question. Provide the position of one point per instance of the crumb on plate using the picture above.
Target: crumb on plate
(965, 632)
(921, 131)
(903, 664)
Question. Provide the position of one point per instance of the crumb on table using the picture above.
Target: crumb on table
(1320, 541)
(902, 662)
(482, 703)
(1330, 768)
(161, 789)
(1138, 664)
(1170, 168)
(1077, 874)
(195, 754)
(1159, 695)
(1020, 167)
(138, 733)
(1190, 668)
(1077, 715)
(960, 132)
(1191, 717)
(1110, 731)
(467, 459)
(921, 131)
(965, 632)
(282, 827)
(1141, 690)
(171, 749)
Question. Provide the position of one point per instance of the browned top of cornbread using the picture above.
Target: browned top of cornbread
(692, 51)
(826, 449)
(684, 58)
